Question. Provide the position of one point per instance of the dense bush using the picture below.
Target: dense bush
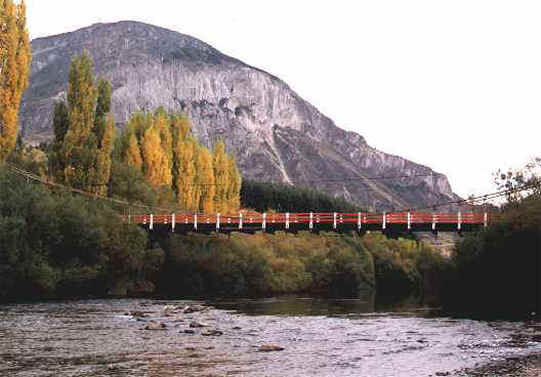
(404, 267)
(329, 264)
(497, 272)
(262, 264)
(52, 244)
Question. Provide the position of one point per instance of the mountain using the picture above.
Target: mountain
(274, 134)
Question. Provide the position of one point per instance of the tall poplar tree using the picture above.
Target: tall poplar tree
(184, 171)
(221, 177)
(57, 161)
(234, 185)
(205, 180)
(79, 145)
(133, 153)
(15, 59)
(104, 132)
(103, 159)
(156, 163)
(84, 130)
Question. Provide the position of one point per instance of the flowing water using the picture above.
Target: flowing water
(321, 337)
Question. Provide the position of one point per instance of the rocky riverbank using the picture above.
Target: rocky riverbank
(528, 366)
(516, 366)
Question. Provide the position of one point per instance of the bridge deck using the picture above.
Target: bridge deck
(270, 222)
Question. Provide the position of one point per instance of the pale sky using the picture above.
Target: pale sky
(455, 85)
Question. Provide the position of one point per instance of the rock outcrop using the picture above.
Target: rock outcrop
(274, 134)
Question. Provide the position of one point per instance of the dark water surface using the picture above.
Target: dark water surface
(321, 338)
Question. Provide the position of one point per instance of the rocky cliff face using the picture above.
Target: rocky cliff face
(274, 133)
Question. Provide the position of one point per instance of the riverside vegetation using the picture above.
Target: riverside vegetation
(57, 245)
(497, 273)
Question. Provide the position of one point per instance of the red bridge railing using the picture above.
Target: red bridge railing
(250, 220)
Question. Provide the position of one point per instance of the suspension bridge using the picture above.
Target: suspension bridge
(412, 220)
(251, 222)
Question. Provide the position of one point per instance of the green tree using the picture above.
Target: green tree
(57, 161)
(84, 131)
(78, 148)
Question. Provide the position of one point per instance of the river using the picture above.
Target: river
(321, 337)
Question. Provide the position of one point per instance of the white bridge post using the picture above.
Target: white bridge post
(459, 221)
(240, 220)
(173, 222)
(359, 221)
(287, 220)
(311, 226)
(486, 220)
(195, 222)
(151, 227)
(384, 225)
(409, 220)
(264, 223)
(217, 222)
(433, 222)
(334, 221)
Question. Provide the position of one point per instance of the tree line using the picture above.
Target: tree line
(163, 149)
(279, 197)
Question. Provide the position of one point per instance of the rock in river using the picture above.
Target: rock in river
(155, 326)
(270, 348)
(195, 324)
(212, 333)
(194, 308)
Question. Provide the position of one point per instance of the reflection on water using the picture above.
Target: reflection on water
(322, 337)
(367, 303)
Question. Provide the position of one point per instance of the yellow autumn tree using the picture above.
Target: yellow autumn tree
(221, 177)
(133, 153)
(234, 185)
(15, 59)
(156, 164)
(163, 124)
(164, 149)
(205, 180)
(184, 183)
